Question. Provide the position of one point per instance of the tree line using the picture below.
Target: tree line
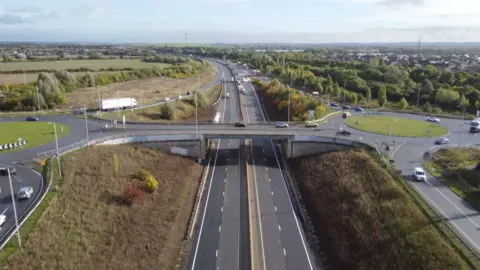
(433, 90)
(52, 86)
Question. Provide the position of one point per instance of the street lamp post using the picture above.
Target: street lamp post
(86, 122)
(196, 113)
(57, 154)
(14, 208)
(288, 115)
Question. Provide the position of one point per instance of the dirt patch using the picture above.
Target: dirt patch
(145, 90)
(84, 229)
(184, 110)
(364, 219)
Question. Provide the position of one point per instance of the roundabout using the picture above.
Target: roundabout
(396, 126)
(35, 133)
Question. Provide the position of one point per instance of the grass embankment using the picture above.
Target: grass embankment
(402, 127)
(36, 133)
(144, 91)
(85, 226)
(184, 110)
(367, 220)
(456, 168)
(32, 77)
(73, 64)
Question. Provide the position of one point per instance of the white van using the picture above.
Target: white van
(419, 174)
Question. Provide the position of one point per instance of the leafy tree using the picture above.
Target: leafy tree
(167, 111)
(368, 94)
(463, 101)
(6, 57)
(199, 99)
(403, 104)
(89, 79)
(48, 86)
(446, 97)
(312, 105)
(382, 96)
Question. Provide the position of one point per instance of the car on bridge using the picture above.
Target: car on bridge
(240, 124)
(333, 104)
(3, 170)
(433, 119)
(442, 140)
(311, 124)
(32, 118)
(344, 133)
(281, 125)
(359, 109)
(346, 107)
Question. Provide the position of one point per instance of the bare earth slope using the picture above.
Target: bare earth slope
(367, 221)
(85, 229)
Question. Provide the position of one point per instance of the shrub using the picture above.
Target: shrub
(199, 98)
(167, 111)
(132, 193)
(143, 174)
(149, 181)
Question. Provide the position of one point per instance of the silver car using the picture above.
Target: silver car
(25, 193)
(442, 141)
(281, 125)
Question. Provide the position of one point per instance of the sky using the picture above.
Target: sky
(240, 21)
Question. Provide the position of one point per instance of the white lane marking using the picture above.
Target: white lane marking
(227, 159)
(4, 211)
(284, 252)
(206, 206)
(279, 228)
(226, 169)
(267, 169)
(216, 253)
(396, 149)
(285, 186)
(275, 209)
(16, 178)
(221, 209)
(223, 193)
(258, 207)
(220, 228)
(269, 180)
(444, 214)
(225, 180)
(272, 193)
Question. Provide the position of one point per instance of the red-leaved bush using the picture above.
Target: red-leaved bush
(132, 193)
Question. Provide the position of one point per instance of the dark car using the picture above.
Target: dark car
(358, 109)
(344, 133)
(333, 104)
(3, 170)
(240, 124)
(32, 118)
(346, 107)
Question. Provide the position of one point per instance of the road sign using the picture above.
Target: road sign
(42, 162)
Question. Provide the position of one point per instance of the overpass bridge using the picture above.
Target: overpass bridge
(294, 141)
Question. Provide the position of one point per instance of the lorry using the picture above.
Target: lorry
(216, 119)
(475, 125)
(117, 103)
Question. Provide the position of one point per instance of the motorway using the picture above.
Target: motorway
(283, 243)
(221, 241)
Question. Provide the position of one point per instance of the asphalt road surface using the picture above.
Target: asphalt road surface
(283, 241)
(222, 239)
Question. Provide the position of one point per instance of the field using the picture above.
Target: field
(402, 127)
(145, 90)
(85, 227)
(369, 220)
(74, 64)
(36, 133)
(184, 110)
(456, 168)
(31, 77)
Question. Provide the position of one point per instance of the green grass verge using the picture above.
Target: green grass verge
(29, 225)
(36, 133)
(402, 127)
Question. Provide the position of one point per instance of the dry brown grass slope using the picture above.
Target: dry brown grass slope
(84, 229)
(367, 220)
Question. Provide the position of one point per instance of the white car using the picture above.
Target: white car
(25, 193)
(281, 125)
(166, 99)
(3, 219)
(433, 119)
(179, 97)
(419, 174)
